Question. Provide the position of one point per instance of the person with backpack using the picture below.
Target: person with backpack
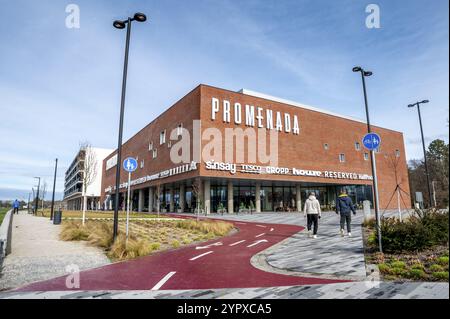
(312, 212)
(344, 207)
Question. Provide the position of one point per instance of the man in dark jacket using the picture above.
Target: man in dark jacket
(344, 206)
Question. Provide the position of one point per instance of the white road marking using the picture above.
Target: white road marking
(261, 226)
(271, 229)
(241, 223)
(208, 246)
(258, 242)
(204, 254)
(262, 234)
(164, 280)
(238, 242)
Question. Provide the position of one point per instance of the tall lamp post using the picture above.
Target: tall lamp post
(365, 74)
(424, 150)
(118, 24)
(53, 193)
(37, 196)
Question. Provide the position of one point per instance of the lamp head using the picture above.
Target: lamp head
(425, 101)
(140, 17)
(410, 105)
(368, 73)
(119, 24)
(357, 69)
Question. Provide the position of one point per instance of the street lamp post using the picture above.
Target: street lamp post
(37, 196)
(424, 150)
(364, 74)
(28, 205)
(140, 17)
(53, 193)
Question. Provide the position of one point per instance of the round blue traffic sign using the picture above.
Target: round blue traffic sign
(371, 141)
(130, 164)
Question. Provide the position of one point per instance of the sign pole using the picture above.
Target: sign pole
(128, 203)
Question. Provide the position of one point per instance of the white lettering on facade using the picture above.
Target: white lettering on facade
(273, 170)
(255, 116)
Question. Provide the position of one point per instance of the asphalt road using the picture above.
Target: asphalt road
(222, 263)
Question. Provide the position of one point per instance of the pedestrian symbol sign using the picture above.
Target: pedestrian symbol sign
(371, 141)
(129, 164)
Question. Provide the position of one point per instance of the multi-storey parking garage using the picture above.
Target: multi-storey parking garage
(228, 151)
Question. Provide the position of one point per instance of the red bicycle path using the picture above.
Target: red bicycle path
(223, 265)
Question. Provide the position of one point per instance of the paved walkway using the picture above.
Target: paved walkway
(329, 255)
(37, 253)
(351, 290)
(215, 264)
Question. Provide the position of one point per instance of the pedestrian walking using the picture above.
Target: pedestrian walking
(344, 207)
(16, 205)
(312, 213)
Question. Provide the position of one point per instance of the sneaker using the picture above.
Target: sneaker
(309, 233)
(315, 236)
(349, 234)
(342, 232)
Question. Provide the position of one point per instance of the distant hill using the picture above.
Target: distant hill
(22, 194)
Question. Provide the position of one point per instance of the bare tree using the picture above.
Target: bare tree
(393, 163)
(89, 171)
(197, 191)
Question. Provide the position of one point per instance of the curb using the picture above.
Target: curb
(5, 235)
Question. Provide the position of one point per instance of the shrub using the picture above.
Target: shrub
(417, 266)
(398, 264)
(384, 268)
(370, 223)
(443, 260)
(372, 239)
(155, 246)
(399, 271)
(218, 228)
(74, 231)
(441, 275)
(175, 243)
(418, 232)
(436, 268)
(123, 249)
(101, 235)
(417, 274)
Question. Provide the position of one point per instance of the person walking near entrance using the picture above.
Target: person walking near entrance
(312, 212)
(16, 205)
(344, 207)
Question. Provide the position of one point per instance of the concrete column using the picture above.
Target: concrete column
(298, 196)
(171, 200)
(258, 197)
(150, 199)
(141, 200)
(207, 196)
(182, 197)
(230, 197)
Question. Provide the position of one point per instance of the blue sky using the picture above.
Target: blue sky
(60, 86)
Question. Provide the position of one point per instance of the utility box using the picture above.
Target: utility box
(57, 217)
(366, 210)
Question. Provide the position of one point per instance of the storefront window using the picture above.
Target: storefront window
(219, 197)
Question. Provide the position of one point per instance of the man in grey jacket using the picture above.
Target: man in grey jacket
(312, 211)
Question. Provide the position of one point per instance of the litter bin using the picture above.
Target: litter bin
(57, 216)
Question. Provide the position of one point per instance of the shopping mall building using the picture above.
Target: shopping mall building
(229, 151)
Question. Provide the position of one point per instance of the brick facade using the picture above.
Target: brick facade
(305, 150)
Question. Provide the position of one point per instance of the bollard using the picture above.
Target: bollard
(367, 211)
